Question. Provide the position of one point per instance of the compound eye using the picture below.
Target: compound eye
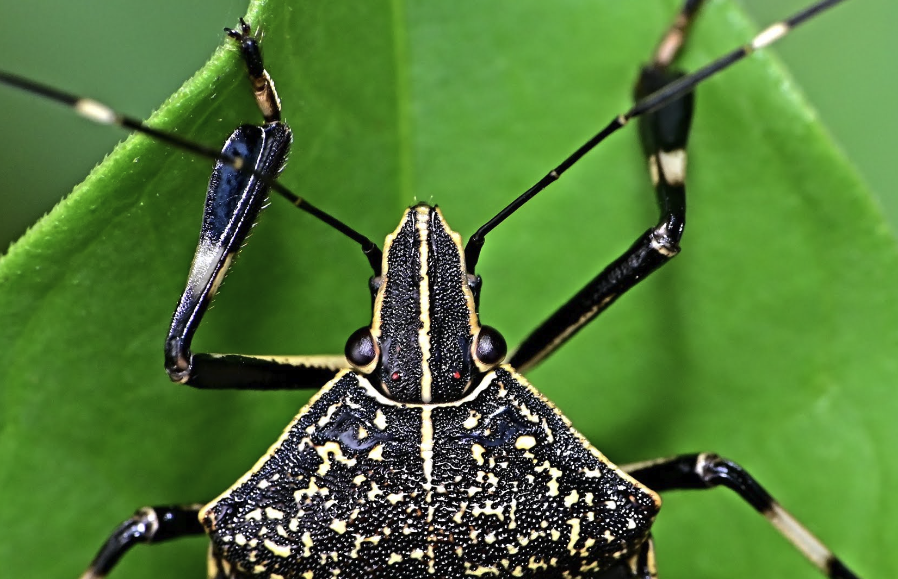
(362, 351)
(489, 348)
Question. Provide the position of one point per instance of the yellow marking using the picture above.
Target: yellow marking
(512, 550)
(417, 554)
(95, 111)
(587, 545)
(277, 549)
(376, 453)
(430, 558)
(258, 569)
(335, 363)
(372, 494)
(394, 558)
(490, 538)
(329, 414)
(537, 565)
(427, 445)
(382, 400)
(512, 521)
(338, 526)
(359, 479)
(473, 491)
(525, 442)
(571, 499)
(673, 164)
(377, 322)
(240, 539)
(549, 437)
(256, 514)
(553, 482)
(282, 531)
(527, 413)
(589, 566)
(307, 544)
(308, 575)
(359, 539)
(423, 227)
(461, 511)
(799, 536)
(588, 499)
(362, 432)
(770, 35)
(309, 491)
(380, 420)
(395, 497)
(473, 321)
(273, 513)
(488, 509)
(477, 451)
(575, 534)
(263, 484)
(480, 570)
(326, 450)
(471, 421)
(608, 536)
(653, 170)
(610, 505)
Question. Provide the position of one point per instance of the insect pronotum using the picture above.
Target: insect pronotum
(583, 183)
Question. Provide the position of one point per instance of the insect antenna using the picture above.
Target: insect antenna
(100, 113)
(650, 103)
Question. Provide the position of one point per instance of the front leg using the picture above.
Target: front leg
(663, 134)
(148, 525)
(233, 201)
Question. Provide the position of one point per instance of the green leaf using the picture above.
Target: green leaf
(770, 340)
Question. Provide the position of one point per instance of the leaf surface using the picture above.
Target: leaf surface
(770, 340)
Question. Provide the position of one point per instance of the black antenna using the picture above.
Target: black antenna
(98, 112)
(648, 104)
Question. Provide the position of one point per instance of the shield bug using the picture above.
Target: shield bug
(485, 266)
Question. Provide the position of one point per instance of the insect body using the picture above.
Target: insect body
(427, 399)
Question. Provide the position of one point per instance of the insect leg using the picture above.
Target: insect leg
(263, 86)
(644, 564)
(148, 525)
(640, 566)
(663, 134)
(707, 470)
(233, 201)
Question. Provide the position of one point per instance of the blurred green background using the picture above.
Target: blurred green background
(138, 60)
(133, 54)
